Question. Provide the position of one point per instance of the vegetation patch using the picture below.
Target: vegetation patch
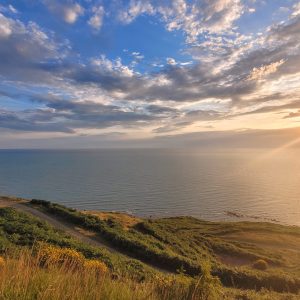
(19, 230)
(185, 244)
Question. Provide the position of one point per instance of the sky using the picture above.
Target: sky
(97, 73)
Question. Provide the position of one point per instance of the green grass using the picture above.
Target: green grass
(18, 229)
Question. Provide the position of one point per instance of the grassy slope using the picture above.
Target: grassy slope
(185, 244)
(230, 248)
(20, 229)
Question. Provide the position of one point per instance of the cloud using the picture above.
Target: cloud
(12, 9)
(171, 61)
(231, 139)
(68, 11)
(59, 115)
(30, 121)
(96, 20)
(5, 27)
(244, 75)
(26, 50)
(103, 64)
(273, 108)
(135, 9)
(192, 17)
(296, 9)
(263, 71)
(161, 110)
(171, 127)
(8, 9)
(293, 115)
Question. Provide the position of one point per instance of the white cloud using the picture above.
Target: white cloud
(5, 27)
(8, 9)
(68, 11)
(96, 20)
(105, 64)
(296, 9)
(192, 17)
(135, 9)
(137, 55)
(12, 9)
(171, 61)
(265, 70)
(72, 12)
(26, 51)
(186, 63)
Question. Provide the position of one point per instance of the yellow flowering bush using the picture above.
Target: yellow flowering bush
(95, 265)
(260, 264)
(2, 262)
(50, 255)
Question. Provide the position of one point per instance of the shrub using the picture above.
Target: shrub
(2, 262)
(260, 264)
(203, 287)
(95, 265)
(50, 255)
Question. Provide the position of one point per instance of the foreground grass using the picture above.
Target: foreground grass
(66, 279)
(41, 277)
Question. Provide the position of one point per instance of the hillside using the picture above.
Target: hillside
(168, 258)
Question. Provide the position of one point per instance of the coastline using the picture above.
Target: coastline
(229, 216)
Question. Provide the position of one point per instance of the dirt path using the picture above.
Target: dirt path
(83, 235)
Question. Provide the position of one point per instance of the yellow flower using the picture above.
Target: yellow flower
(2, 262)
(95, 265)
(54, 255)
(51, 255)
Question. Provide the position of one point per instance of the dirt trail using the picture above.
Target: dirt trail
(83, 235)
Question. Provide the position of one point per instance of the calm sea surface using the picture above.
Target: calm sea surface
(258, 185)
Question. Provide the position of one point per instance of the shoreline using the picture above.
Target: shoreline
(234, 216)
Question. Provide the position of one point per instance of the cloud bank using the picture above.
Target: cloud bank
(230, 75)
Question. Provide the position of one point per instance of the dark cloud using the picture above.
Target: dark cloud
(273, 108)
(173, 127)
(27, 53)
(205, 115)
(210, 140)
(67, 116)
(30, 121)
(252, 139)
(161, 110)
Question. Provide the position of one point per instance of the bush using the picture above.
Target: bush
(50, 255)
(2, 262)
(95, 265)
(260, 264)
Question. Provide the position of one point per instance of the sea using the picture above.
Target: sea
(231, 185)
